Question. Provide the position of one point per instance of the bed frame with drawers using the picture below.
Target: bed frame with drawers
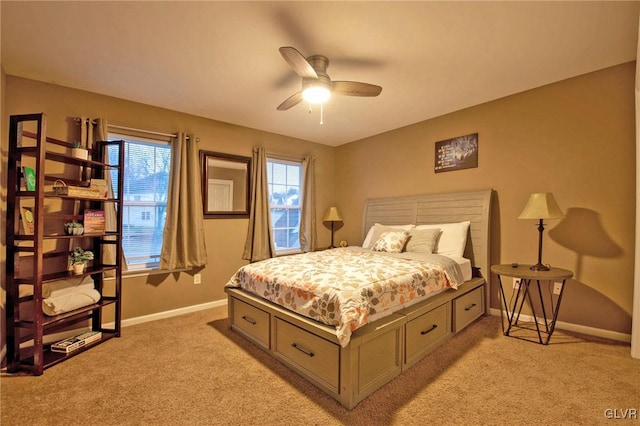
(383, 349)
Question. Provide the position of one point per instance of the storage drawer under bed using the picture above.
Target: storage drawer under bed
(251, 322)
(467, 308)
(312, 354)
(426, 332)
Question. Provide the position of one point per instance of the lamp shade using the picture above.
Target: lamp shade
(332, 215)
(541, 205)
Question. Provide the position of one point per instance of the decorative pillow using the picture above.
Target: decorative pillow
(453, 237)
(391, 241)
(377, 229)
(422, 240)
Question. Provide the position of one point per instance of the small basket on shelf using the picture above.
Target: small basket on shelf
(79, 152)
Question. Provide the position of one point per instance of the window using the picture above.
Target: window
(147, 165)
(285, 187)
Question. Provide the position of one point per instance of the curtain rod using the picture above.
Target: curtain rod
(113, 126)
(169, 135)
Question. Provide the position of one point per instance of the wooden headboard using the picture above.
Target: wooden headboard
(450, 207)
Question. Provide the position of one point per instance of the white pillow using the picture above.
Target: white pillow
(377, 229)
(391, 241)
(422, 240)
(453, 237)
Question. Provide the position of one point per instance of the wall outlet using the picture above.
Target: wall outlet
(197, 279)
(557, 288)
(516, 283)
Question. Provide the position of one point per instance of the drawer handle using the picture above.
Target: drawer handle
(249, 320)
(303, 350)
(433, 327)
(470, 307)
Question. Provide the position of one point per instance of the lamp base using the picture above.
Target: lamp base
(539, 267)
(332, 233)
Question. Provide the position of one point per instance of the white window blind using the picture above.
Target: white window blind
(147, 165)
(284, 178)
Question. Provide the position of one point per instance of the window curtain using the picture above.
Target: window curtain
(91, 133)
(259, 244)
(86, 132)
(308, 208)
(183, 244)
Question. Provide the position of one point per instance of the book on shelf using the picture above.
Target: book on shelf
(29, 174)
(71, 344)
(27, 219)
(94, 221)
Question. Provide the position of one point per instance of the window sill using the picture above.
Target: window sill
(288, 252)
(148, 272)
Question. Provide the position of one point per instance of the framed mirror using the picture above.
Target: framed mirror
(226, 185)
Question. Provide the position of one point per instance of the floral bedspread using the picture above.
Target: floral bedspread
(346, 287)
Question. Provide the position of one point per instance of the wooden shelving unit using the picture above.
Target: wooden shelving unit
(40, 258)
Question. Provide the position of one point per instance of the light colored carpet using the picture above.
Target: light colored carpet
(193, 370)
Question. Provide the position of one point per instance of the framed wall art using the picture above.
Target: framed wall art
(457, 153)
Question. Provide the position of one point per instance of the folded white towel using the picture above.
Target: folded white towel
(68, 302)
(72, 285)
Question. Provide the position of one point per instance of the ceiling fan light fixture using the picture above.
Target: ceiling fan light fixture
(316, 94)
(317, 87)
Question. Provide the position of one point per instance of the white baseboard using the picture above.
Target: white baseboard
(598, 332)
(171, 313)
(577, 328)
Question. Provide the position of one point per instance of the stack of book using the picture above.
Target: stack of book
(71, 344)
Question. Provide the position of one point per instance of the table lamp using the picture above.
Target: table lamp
(332, 215)
(541, 206)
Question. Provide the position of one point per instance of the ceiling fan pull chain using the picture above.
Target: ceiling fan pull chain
(321, 112)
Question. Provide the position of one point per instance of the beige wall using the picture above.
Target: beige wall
(144, 295)
(574, 138)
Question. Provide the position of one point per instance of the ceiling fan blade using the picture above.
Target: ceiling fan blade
(291, 101)
(355, 88)
(298, 62)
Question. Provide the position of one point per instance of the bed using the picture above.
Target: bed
(317, 314)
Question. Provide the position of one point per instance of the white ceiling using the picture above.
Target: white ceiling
(220, 59)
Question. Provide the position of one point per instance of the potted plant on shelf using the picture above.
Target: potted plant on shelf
(79, 152)
(73, 228)
(79, 258)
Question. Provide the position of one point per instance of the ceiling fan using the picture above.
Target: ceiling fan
(317, 86)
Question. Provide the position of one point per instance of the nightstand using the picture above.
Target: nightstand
(529, 283)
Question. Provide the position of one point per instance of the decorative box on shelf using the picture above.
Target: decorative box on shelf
(61, 188)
